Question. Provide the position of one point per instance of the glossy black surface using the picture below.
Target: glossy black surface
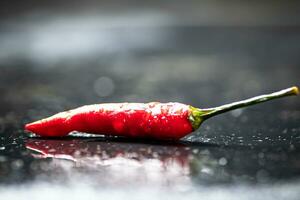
(50, 62)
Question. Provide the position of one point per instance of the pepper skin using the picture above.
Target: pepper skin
(161, 121)
(152, 120)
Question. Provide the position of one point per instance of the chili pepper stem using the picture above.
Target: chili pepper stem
(209, 112)
(199, 115)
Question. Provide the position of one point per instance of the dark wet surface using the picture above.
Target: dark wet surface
(42, 72)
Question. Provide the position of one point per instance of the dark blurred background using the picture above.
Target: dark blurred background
(204, 53)
(57, 55)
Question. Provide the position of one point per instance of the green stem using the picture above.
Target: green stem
(207, 113)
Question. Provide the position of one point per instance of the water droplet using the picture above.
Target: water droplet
(195, 151)
(222, 161)
(155, 155)
(236, 113)
(292, 147)
(261, 155)
(104, 86)
(2, 159)
(207, 170)
(17, 164)
(284, 131)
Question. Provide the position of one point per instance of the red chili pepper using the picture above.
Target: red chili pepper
(163, 121)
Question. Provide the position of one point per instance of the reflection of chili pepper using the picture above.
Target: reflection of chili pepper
(118, 163)
(79, 150)
(152, 120)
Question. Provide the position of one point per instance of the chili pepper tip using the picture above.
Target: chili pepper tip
(295, 90)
